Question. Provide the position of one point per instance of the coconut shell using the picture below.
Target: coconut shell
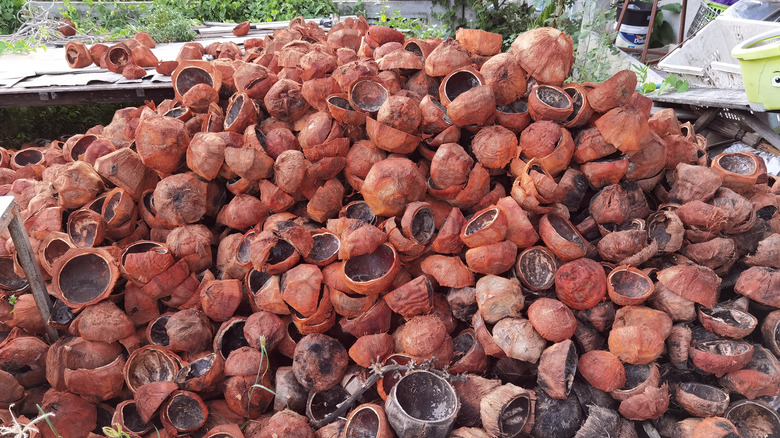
(545, 53)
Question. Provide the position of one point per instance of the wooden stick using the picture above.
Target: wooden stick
(11, 218)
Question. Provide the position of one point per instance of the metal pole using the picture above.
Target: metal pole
(10, 217)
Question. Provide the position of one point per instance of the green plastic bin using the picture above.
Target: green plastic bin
(759, 61)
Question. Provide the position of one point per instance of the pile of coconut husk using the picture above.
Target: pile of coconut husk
(358, 234)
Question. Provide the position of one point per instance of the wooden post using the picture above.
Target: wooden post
(643, 58)
(10, 217)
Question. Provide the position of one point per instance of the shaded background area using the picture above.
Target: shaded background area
(22, 125)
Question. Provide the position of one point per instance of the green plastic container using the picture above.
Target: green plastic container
(759, 61)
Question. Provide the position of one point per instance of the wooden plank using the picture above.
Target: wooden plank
(92, 94)
(761, 128)
(706, 117)
(707, 97)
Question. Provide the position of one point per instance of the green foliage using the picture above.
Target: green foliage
(218, 10)
(21, 46)
(113, 19)
(22, 125)
(504, 17)
(281, 10)
(413, 27)
(663, 33)
(8, 15)
(670, 83)
(592, 42)
(110, 432)
(359, 9)
(168, 23)
(12, 301)
(673, 83)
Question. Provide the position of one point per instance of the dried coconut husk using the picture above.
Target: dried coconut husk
(581, 284)
(535, 189)
(667, 230)
(206, 154)
(458, 82)
(479, 42)
(241, 113)
(626, 247)
(340, 109)
(180, 199)
(718, 254)
(613, 92)
(508, 411)
(649, 404)
(117, 57)
(582, 111)
(603, 370)
(513, 116)
(495, 258)
(161, 143)
(696, 283)
(86, 228)
(681, 150)
(618, 203)
(77, 55)
(624, 128)
(504, 74)
(144, 260)
(605, 171)
(562, 237)
(326, 201)
(647, 162)
(400, 113)
(556, 417)
(694, 183)
(77, 185)
(402, 176)
(390, 139)
(760, 285)
(767, 254)
(448, 271)
(344, 38)
(547, 102)
(76, 415)
(192, 72)
(494, 147)
(450, 166)
(740, 213)
(557, 367)
(367, 94)
(476, 106)
(199, 97)
(545, 53)
(740, 171)
(703, 221)
(446, 58)
(70, 270)
(590, 145)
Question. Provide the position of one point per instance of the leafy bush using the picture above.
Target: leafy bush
(8, 19)
(281, 10)
(413, 27)
(167, 23)
(117, 19)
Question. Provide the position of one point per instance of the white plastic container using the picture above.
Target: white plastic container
(631, 37)
(705, 60)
